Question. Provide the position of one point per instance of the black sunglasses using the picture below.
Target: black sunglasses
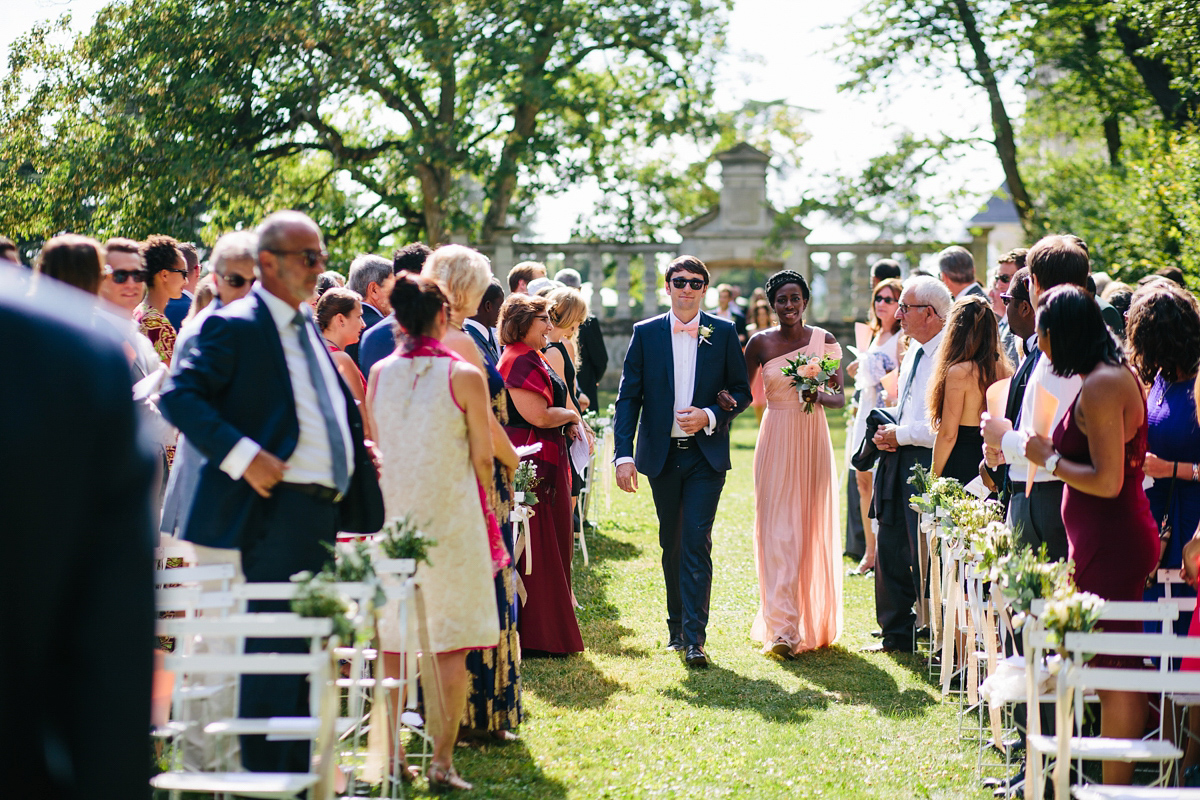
(237, 281)
(311, 257)
(887, 301)
(696, 283)
(122, 275)
(176, 271)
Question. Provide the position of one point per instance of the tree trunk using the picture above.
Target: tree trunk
(1112, 138)
(1156, 77)
(435, 199)
(1005, 142)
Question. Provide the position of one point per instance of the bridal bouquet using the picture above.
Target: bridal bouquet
(811, 373)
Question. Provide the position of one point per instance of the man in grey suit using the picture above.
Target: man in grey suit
(957, 269)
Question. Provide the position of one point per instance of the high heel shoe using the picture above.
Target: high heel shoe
(444, 779)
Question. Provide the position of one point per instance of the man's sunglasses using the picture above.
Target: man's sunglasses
(696, 283)
(236, 281)
(1002, 278)
(122, 275)
(311, 257)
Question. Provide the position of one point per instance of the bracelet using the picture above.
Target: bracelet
(1196, 472)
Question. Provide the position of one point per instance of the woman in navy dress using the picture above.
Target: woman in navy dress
(1163, 338)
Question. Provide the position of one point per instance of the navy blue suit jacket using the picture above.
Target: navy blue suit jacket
(234, 382)
(647, 392)
(377, 343)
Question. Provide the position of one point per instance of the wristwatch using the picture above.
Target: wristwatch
(1052, 462)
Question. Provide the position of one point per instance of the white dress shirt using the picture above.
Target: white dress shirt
(310, 462)
(912, 428)
(684, 349)
(485, 331)
(1013, 444)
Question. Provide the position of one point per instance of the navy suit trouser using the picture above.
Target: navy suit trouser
(686, 494)
(283, 541)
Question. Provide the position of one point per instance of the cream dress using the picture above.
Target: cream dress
(427, 473)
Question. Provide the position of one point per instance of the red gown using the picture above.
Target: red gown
(1113, 541)
(547, 620)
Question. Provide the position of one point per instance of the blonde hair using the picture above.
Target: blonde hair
(568, 309)
(461, 273)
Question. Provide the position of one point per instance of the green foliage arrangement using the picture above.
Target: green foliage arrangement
(318, 597)
(525, 480)
(403, 538)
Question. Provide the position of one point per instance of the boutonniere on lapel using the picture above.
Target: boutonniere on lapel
(705, 331)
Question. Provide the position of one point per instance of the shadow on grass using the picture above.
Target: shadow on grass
(717, 687)
(850, 678)
(571, 682)
(504, 771)
(600, 618)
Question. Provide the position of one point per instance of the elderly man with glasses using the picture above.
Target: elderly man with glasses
(924, 304)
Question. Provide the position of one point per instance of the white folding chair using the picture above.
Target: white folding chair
(319, 727)
(1074, 680)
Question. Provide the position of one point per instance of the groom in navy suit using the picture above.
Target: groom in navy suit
(685, 380)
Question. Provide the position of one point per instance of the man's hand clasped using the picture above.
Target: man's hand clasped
(885, 438)
(264, 472)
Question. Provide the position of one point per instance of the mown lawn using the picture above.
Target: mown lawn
(627, 719)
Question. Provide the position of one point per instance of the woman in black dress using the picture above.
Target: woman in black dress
(969, 360)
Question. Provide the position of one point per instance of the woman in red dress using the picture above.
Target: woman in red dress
(537, 412)
(1098, 450)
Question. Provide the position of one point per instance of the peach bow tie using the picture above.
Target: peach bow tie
(690, 328)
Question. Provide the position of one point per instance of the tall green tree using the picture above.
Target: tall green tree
(418, 117)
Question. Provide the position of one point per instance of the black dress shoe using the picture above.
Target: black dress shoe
(676, 643)
(695, 656)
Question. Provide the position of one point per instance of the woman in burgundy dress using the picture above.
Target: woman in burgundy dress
(1098, 450)
(537, 412)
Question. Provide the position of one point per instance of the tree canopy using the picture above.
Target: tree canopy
(1105, 143)
(419, 118)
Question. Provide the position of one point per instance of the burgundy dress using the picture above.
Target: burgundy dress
(1113, 541)
(547, 620)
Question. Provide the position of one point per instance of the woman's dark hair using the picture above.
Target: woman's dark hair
(161, 253)
(517, 314)
(73, 259)
(334, 301)
(1079, 339)
(416, 302)
(972, 336)
(1162, 333)
(783, 278)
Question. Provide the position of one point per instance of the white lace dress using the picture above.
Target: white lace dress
(427, 472)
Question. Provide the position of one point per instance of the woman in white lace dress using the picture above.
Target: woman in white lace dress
(880, 359)
(429, 409)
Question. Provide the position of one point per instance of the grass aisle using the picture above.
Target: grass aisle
(627, 719)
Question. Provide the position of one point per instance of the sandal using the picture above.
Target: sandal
(442, 779)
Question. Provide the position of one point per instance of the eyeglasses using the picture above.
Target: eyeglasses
(905, 307)
(311, 257)
(887, 301)
(122, 275)
(1006, 298)
(1002, 278)
(176, 271)
(696, 283)
(236, 281)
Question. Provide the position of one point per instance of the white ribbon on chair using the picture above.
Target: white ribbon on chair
(520, 516)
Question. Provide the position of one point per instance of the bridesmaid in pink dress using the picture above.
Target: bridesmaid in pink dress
(797, 555)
